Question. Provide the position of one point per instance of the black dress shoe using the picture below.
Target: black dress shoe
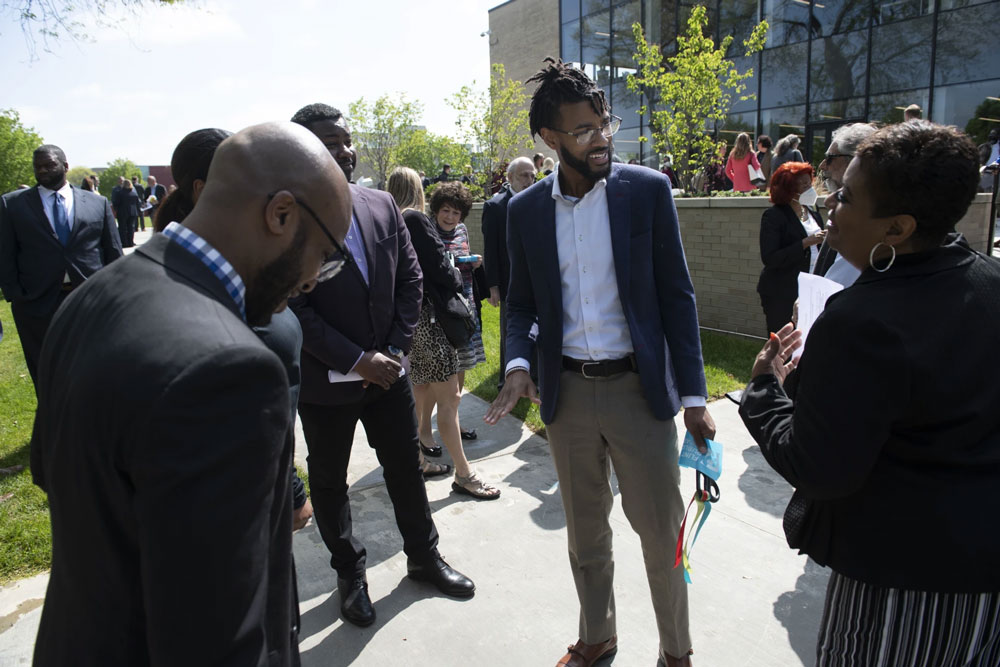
(434, 450)
(469, 435)
(436, 571)
(355, 605)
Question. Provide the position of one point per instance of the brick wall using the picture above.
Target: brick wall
(721, 241)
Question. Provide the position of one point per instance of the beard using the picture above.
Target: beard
(583, 166)
(275, 282)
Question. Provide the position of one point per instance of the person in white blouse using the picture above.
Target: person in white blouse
(596, 257)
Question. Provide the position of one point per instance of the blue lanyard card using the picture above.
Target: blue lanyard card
(709, 464)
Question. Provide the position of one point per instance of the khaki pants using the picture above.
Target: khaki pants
(606, 421)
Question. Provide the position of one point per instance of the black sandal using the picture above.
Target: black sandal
(469, 435)
(434, 452)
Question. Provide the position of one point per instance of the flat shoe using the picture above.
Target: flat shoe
(434, 451)
(475, 487)
(588, 655)
(430, 469)
(469, 435)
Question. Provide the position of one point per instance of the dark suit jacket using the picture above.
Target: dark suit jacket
(33, 262)
(126, 205)
(781, 251)
(159, 191)
(893, 439)
(441, 280)
(653, 284)
(495, 259)
(343, 317)
(161, 439)
(827, 256)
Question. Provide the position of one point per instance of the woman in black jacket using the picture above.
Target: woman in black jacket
(126, 205)
(433, 358)
(790, 234)
(893, 439)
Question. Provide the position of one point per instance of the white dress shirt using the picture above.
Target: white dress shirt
(594, 324)
(67, 192)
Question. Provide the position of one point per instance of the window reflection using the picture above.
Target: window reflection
(742, 65)
(595, 38)
(838, 110)
(901, 55)
(838, 66)
(627, 144)
(777, 123)
(967, 45)
(570, 49)
(957, 105)
(887, 11)
(831, 17)
(570, 10)
(785, 75)
(889, 108)
(737, 18)
(787, 21)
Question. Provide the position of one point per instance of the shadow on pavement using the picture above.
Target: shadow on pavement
(800, 611)
(763, 489)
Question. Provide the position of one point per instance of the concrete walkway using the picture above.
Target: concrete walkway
(753, 601)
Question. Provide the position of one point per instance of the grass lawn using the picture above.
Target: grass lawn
(25, 538)
(728, 360)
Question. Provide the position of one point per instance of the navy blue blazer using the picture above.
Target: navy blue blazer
(653, 284)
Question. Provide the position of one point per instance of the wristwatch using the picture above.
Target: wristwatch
(395, 351)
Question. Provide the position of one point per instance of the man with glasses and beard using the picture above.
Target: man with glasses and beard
(596, 259)
(160, 435)
(356, 329)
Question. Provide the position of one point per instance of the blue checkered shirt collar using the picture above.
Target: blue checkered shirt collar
(211, 258)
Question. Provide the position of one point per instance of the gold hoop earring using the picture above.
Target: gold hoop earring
(871, 257)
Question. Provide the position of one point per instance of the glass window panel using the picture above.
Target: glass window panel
(648, 148)
(737, 18)
(837, 110)
(570, 47)
(625, 103)
(777, 123)
(888, 108)
(570, 10)
(967, 45)
(887, 11)
(956, 4)
(901, 55)
(664, 14)
(783, 75)
(957, 105)
(622, 41)
(595, 37)
(787, 21)
(627, 144)
(743, 64)
(735, 123)
(838, 66)
(831, 17)
(594, 6)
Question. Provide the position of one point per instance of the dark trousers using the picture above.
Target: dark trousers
(503, 342)
(31, 330)
(142, 221)
(391, 426)
(777, 312)
(126, 232)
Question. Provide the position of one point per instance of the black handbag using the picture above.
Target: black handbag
(457, 319)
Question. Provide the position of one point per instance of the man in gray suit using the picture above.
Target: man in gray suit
(162, 433)
(52, 238)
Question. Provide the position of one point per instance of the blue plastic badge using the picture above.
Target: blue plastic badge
(710, 464)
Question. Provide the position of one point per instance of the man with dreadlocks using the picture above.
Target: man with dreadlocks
(596, 257)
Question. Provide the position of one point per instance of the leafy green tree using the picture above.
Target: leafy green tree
(17, 143)
(379, 128)
(425, 151)
(116, 168)
(979, 129)
(44, 22)
(75, 175)
(494, 122)
(690, 90)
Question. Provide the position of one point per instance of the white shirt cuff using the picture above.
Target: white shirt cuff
(356, 362)
(519, 364)
(693, 401)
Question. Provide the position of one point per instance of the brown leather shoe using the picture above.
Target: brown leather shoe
(585, 655)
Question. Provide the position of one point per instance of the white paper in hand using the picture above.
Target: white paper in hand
(813, 292)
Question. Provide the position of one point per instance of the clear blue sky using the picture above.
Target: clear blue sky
(139, 87)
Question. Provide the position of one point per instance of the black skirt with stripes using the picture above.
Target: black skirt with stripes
(869, 626)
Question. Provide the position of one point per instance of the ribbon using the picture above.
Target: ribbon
(704, 500)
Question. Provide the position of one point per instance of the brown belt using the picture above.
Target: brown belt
(600, 369)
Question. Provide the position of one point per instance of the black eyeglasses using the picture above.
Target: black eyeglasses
(333, 264)
(607, 129)
(829, 157)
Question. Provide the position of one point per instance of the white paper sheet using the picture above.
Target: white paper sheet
(813, 292)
